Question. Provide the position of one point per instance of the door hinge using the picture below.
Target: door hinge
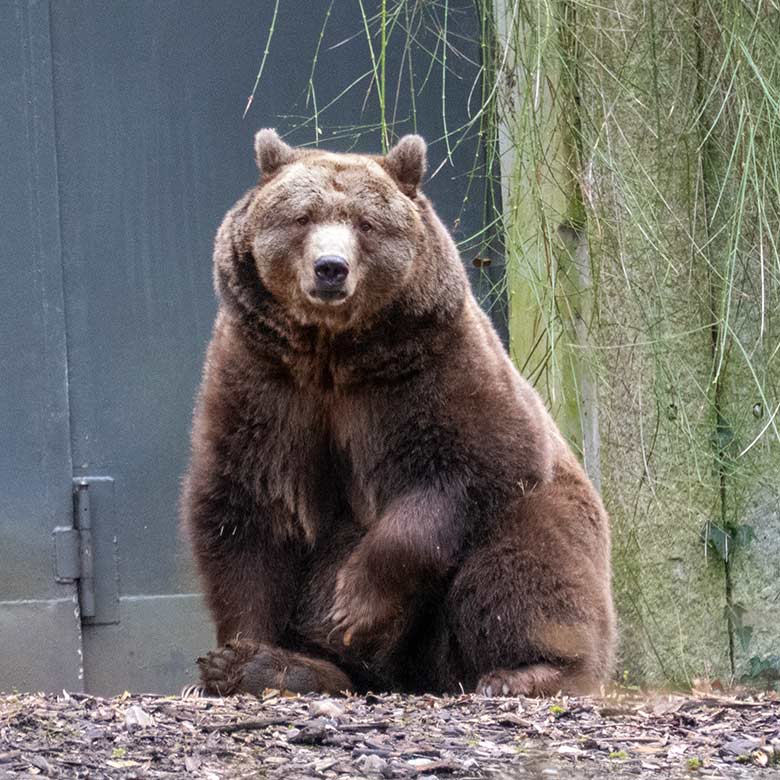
(85, 553)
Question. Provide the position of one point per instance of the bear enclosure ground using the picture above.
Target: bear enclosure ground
(706, 735)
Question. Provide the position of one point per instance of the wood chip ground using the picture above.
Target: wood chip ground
(426, 737)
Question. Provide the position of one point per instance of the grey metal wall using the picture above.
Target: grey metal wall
(123, 143)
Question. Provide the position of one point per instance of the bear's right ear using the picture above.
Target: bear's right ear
(271, 152)
(406, 163)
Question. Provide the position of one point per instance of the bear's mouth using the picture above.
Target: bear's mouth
(328, 296)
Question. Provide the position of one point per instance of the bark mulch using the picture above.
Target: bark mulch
(139, 736)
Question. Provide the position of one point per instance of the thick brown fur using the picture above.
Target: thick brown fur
(376, 498)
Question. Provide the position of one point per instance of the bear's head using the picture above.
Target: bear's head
(335, 238)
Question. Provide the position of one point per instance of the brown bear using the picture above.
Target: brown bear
(376, 498)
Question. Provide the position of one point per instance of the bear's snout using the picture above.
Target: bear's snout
(330, 271)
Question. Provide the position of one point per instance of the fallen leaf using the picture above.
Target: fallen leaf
(192, 763)
(326, 708)
(135, 716)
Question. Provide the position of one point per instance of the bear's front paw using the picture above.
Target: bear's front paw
(223, 669)
(362, 613)
(248, 667)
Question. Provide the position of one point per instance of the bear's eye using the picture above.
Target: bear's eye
(366, 227)
(303, 220)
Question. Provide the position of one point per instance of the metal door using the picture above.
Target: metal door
(40, 634)
(131, 112)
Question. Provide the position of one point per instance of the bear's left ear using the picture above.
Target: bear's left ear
(406, 163)
(271, 152)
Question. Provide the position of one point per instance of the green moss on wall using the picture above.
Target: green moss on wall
(639, 149)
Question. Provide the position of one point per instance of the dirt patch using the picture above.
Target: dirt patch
(134, 736)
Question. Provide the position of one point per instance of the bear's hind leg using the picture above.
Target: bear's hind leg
(251, 667)
(530, 611)
(522, 627)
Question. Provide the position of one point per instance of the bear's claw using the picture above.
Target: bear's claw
(533, 680)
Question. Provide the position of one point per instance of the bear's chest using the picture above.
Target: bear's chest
(312, 456)
(356, 432)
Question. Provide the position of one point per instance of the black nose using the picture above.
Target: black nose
(330, 270)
